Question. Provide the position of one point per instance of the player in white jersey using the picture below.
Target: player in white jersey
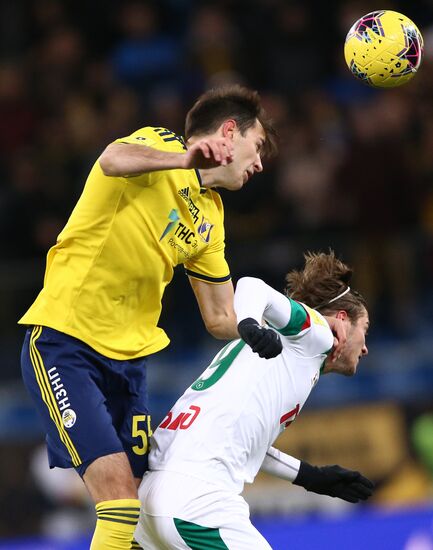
(220, 432)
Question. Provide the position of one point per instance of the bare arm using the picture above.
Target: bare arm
(121, 159)
(216, 308)
(127, 159)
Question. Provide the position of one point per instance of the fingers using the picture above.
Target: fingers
(222, 150)
(269, 345)
(355, 478)
(348, 475)
(254, 338)
(350, 498)
(219, 150)
(339, 343)
(263, 341)
(353, 487)
(355, 493)
(361, 490)
(204, 148)
(339, 331)
(335, 351)
(366, 482)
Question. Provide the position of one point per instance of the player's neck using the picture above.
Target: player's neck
(210, 177)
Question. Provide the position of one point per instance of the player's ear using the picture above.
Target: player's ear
(342, 315)
(228, 128)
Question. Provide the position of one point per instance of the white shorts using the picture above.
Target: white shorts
(182, 512)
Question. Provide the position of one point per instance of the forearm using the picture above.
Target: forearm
(122, 159)
(223, 327)
(216, 307)
(280, 464)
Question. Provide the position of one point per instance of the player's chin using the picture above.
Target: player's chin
(244, 178)
(350, 370)
(235, 186)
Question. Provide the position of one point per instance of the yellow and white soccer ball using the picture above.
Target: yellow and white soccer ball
(384, 49)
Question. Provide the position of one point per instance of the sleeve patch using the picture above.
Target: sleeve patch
(137, 140)
(145, 141)
(299, 320)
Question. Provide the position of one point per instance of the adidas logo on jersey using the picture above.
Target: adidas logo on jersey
(184, 193)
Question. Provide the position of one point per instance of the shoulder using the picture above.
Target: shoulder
(210, 204)
(319, 338)
(157, 137)
(215, 197)
(307, 330)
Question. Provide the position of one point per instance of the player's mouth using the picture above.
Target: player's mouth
(247, 175)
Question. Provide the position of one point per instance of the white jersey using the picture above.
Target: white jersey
(223, 425)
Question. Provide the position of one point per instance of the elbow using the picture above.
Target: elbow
(249, 280)
(222, 328)
(107, 162)
(215, 330)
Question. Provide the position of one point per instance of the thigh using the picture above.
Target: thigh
(163, 532)
(128, 403)
(65, 379)
(148, 537)
(180, 511)
(243, 536)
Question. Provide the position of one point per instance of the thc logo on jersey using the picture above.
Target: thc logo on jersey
(173, 217)
(204, 229)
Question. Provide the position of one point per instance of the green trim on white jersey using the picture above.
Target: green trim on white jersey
(221, 363)
(298, 317)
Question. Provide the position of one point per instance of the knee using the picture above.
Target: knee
(110, 478)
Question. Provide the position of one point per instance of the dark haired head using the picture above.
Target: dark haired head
(229, 102)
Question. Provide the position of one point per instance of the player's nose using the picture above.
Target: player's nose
(258, 166)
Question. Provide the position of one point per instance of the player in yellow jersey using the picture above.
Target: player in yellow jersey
(149, 203)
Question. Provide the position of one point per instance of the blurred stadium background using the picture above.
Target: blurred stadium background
(355, 173)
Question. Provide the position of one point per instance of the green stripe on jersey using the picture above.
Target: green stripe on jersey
(198, 537)
(220, 365)
(298, 316)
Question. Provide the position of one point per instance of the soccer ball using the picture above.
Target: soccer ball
(384, 49)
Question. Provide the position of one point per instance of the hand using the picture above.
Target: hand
(209, 153)
(334, 481)
(264, 341)
(339, 331)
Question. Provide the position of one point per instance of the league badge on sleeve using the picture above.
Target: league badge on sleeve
(204, 229)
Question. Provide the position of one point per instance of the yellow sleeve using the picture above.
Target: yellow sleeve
(143, 136)
(211, 266)
(157, 138)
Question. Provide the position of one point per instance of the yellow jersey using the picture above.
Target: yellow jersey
(106, 275)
